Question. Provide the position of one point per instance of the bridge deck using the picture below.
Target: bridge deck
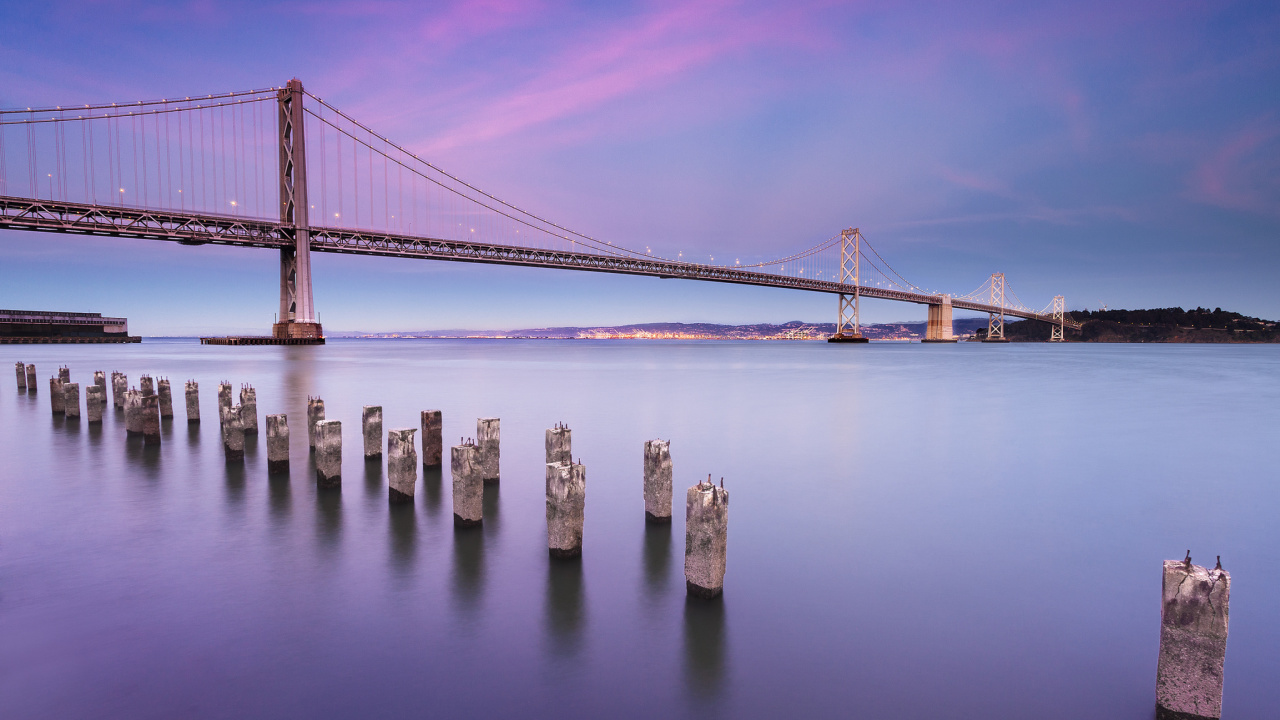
(199, 229)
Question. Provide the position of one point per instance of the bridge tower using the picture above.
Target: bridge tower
(1059, 319)
(848, 329)
(297, 319)
(995, 321)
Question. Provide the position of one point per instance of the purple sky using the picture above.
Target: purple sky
(1126, 154)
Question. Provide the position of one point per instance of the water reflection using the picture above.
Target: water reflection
(95, 435)
(402, 530)
(704, 651)
(142, 456)
(432, 484)
(193, 435)
(490, 509)
(657, 560)
(373, 478)
(328, 517)
(468, 567)
(250, 446)
(235, 485)
(565, 610)
(280, 499)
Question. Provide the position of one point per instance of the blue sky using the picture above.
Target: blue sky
(1126, 155)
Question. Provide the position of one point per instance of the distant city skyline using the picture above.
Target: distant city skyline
(1127, 156)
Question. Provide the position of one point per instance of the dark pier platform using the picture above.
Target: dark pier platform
(261, 340)
(27, 327)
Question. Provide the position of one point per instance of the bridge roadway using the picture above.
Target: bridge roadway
(201, 229)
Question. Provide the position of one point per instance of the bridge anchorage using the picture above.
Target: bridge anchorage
(261, 169)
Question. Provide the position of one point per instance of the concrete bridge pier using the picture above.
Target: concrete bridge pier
(22, 377)
(487, 441)
(95, 401)
(559, 444)
(249, 409)
(165, 391)
(657, 482)
(402, 465)
(371, 426)
(132, 412)
(468, 486)
(232, 433)
(57, 402)
(566, 508)
(1193, 641)
(277, 444)
(71, 399)
(705, 539)
(939, 327)
(193, 402)
(315, 414)
(329, 453)
(432, 438)
(150, 414)
(31, 378)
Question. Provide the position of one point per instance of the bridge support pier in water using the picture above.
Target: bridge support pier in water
(402, 465)
(939, 327)
(706, 533)
(848, 329)
(277, 444)
(566, 508)
(432, 438)
(657, 482)
(297, 319)
(1193, 641)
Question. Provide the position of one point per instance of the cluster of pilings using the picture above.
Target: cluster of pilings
(1194, 599)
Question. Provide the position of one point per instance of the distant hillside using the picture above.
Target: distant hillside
(1156, 325)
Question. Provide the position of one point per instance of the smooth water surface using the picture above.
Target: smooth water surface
(916, 531)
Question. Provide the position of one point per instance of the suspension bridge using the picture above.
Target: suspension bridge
(280, 168)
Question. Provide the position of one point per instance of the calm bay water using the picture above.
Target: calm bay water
(964, 531)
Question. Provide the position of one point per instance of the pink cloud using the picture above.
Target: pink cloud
(1236, 176)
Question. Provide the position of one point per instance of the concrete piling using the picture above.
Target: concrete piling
(95, 401)
(468, 486)
(277, 444)
(402, 465)
(1193, 641)
(71, 399)
(657, 482)
(329, 453)
(432, 438)
(224, 395)
(371, 424)
(249, 409)
(566, 507)
(559, 444)
(31, 378)
(119, 385)
(315, 413)
(64, 374)
(146, 385)
(193, 402)
(150, 419)
(100, 379)
(165, 392)
(56, 400)
(487, 441)
(22, 376)
(232, 433)
(705, 535)
(133, 412)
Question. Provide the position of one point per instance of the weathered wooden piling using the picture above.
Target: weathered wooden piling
(315, 413)
(559, 444)
(706, 532)
(1193, 640)
(71, 399)
(146, 385)
(249, 409)
(22, 376)
(95, 401)
(566, 507)
(165, 392)
(468, 486)
(487, 445)
(329, 453)
(150, 419)
(133, 412)
(432, 438)
(64, 374)
(402, 465)
(232, 433)
(31, 379)
(193, 402)
(277, 444)
(100, 379)
(657, 481)
(57, 402)
(119, 386)
(371, 426)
